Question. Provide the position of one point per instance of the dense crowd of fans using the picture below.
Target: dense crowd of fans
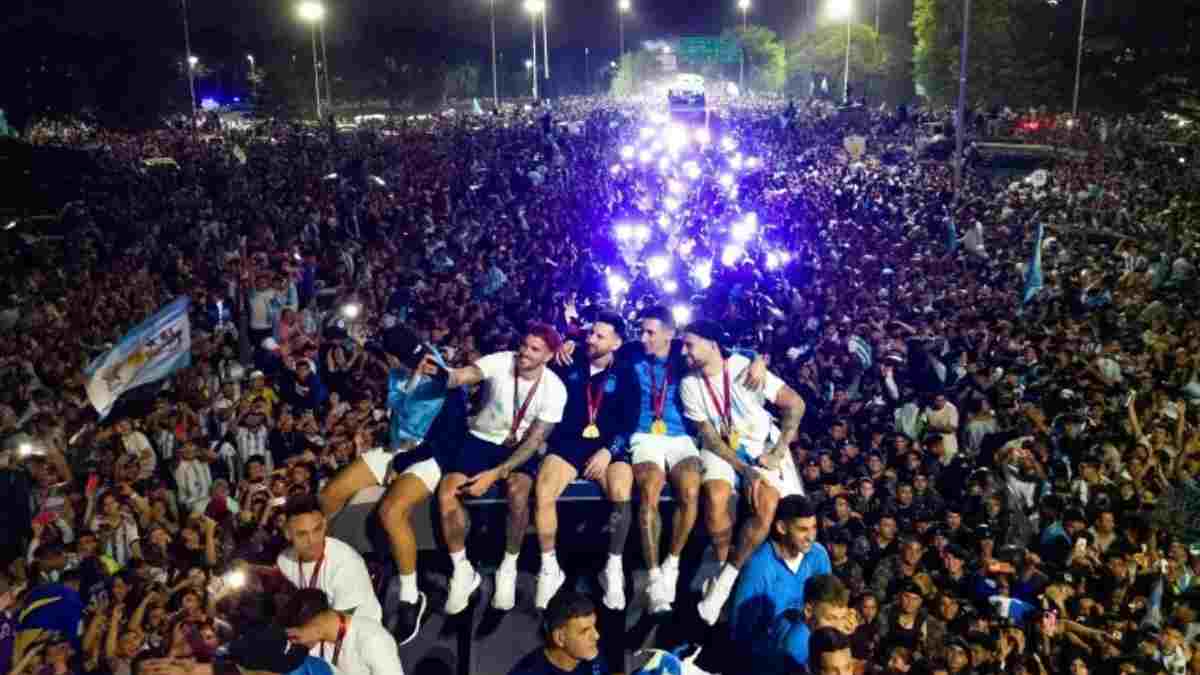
(936, 471)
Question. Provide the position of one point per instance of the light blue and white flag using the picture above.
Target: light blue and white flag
(1033, 273)
(861, 350)
(951, 236)
(151, 351)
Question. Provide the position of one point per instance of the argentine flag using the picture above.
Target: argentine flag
(151, 351)
(861, 350)
(1033, 274)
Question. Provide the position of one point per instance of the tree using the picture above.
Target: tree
(461, 81)
(822, 54)
(634, 67)
(766, 57)
(1015, 55)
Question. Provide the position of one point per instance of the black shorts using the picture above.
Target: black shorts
(476, 455)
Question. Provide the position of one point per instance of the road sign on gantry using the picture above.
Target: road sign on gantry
(707, 49)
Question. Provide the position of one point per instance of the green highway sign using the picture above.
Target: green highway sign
(707, 50)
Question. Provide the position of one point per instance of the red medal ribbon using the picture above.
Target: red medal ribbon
(658, 397)
(594, 401)
(337, 646)
(726, 411)
(520, 412)
(312, 580)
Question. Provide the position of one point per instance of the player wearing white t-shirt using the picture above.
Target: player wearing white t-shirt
(522, 401)
(317, 561)
(742, 447)
(355, 645)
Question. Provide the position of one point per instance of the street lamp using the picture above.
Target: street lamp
(744, 6)
(495, 86)
(1079, 62)
(534, 7)
(250, 58)
(623, 7)
(192, 62)
(313, 13)
(839, 9)
(187, 49)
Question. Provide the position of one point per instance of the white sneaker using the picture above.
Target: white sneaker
(549, 580)
(505, 596)
(715, 595)
(464, 582)
(612, 580)
(708, 570)
(670, 582)
(656, 592)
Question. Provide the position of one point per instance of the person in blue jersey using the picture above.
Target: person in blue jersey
(771, 584)
(572, 642)
(592, 443)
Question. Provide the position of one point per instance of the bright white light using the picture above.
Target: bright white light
(193, 60)
(670, 286)
(624, 5)
(528, 64)
(736, 162)
(685, 249)
(25, 449)
(702, 273)
(752, 162)
(674, 187)
(840, 9)
(646, 133)
(744, 5)
(658, 266)
(311, 11)
(745, 229)
(726, 180)
(682, 314)
(664, 221)
(351, 310)
(664, 163)
(691, 170)
(617, 284)
(677, 137)
(641, 233)
(624, 232)
(703, 137)
(785, 257)
(731, 255)
(615, 169)
(236, 579)
(728, 144)
(656, 146)
(11, 224)
(628, 152)
(331, 176)
(732, 90)
(671, 204)
(658, 118)
(644, 157)
(772, 260)
(535, 6)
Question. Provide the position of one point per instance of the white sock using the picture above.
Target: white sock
(408, 587)
(614, 561)
(672, 562)
(510, 561)
(549, 560)
(459, 557)
(729, 575)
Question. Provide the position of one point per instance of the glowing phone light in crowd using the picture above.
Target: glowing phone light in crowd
(745, 229)
(726, 180)
(658, 266)
(641, 233)
(351, 310)
(674, 187)
(752, 162)
(728, 144)
(236, 579)
(658, 118)
(656, 146)
(685, 249)
(670, 286)
(624, 232)
(736, 162)
(691, 170)
(615, 169)
(671, 204)
(682, 315)
(732, 255)
(646, 133)
(702, 273)
(677, 137)
(772, 260)
(627, 152)
(703, 137)
(617, 285)
(664, 163)
(663, 221)
(645, 157)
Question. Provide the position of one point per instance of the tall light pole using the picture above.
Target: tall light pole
(495, 85)
(312, 13)
(250, 58)
(623, 7)
(545, 43)
(843, 9)
(190, 62)
(587, 70)
(1079, 62)
(325, 67)
(534, 7)
(960, 116)
(744, 6)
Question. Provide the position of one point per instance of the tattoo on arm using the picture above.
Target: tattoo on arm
(793, 413)
(534, 439)
(465, 377)
(713, 441)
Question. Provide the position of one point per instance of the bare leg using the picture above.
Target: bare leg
(756, 529)
(343, 486)
(717, 517)
(518, 487)
(650, 479)
(685, 479)
(454, 517)
(405, 493)
(553, 477)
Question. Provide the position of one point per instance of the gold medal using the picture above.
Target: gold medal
(591, 431)
(734, 439)
(658, 427)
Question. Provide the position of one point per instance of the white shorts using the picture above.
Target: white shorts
(379, 461)
(785, 479)
(427, 471)
(665, 451)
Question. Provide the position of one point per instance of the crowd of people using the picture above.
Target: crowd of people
(922, 430)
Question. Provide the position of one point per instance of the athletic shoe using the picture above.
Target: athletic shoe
(505, 596)
(670, 582)
(463, 583)
(549, 580)
(408, 620)
(715, 595)
(612, 580)
(656, 592)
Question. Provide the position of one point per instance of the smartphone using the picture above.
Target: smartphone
(278, 501)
